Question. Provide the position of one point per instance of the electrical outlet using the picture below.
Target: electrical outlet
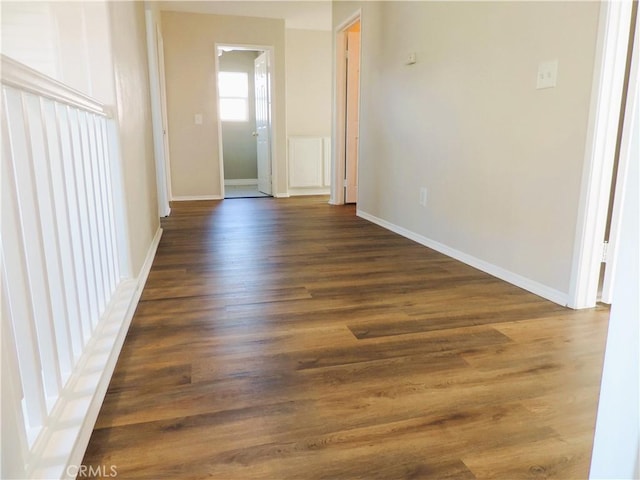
(423, 196)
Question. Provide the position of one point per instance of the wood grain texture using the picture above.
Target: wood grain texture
(289, 339)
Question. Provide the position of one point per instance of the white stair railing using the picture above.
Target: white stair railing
(66, 286)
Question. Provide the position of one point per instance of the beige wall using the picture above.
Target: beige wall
(189, 43)
(134, 120)
(239, 147)
(502, 161)
(309, 59)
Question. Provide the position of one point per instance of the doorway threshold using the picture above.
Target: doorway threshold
(243, 191)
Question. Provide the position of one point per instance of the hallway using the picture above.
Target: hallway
(290, 339)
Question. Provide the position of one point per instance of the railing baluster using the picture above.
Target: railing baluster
(103, 155)
(53, 281)
(15, 444)
(73, 212)
(92, 214)
(14, 261)
(114, 259)
(65, 253)
(118, 207)
(99, 203)
(31, 219)
(83, 201)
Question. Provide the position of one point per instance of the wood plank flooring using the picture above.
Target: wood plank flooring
(289, 339)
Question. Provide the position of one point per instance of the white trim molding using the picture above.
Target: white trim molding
(604, 114)
(17, 75)
(518, 280)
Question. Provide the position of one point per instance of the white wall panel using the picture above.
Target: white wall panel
(306, 162)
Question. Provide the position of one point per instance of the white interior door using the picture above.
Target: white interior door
(263, 122)
(353, 112)
(163, 110)
(156, 75)
(630, 126)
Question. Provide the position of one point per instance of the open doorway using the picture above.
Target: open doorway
(244, 109)
(345, 174)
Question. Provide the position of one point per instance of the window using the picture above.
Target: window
(234, 96)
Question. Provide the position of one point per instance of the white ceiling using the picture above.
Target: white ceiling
(300, 14)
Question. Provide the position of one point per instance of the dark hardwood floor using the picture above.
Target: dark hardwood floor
(289, 339)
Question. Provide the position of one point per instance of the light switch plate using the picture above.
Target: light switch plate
(547, 74)
(423, 196)
(197, 119)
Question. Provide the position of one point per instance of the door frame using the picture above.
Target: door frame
(155, 55)
(624, 159)
(604, 114)
(339, 106)
(163, 109)
(261, 64)
(269, 50)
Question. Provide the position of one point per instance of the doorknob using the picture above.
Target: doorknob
(255, 134)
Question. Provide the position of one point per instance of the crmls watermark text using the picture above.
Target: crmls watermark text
(92, 471)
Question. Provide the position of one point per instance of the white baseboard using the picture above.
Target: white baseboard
(65, 440)
(240, 181)
(309, 191)
(190, 198)
(532, 286)
(281, 195)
